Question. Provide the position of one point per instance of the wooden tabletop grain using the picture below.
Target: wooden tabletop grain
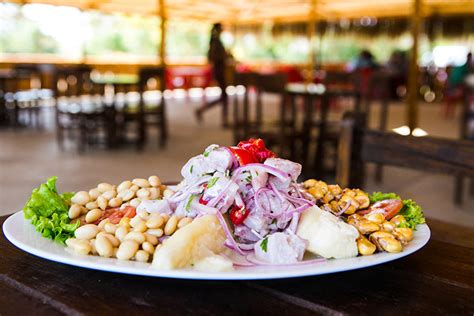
(439, 279)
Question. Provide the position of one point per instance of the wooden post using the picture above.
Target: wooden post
(412, 101)
(310, 32)
(163, 18)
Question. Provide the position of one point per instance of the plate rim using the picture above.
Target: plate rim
(144, 269)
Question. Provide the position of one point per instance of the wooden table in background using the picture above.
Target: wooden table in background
(439, 279)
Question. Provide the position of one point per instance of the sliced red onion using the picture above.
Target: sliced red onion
(228, 234)
(277, 193)
(344, 209)
(265, 168)
(238, 200)
(294, 222)
(246, 246)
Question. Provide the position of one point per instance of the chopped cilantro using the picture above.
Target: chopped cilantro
(188, 205)
(209, 149)
(212, 182)
(249, 179)
(264, 244)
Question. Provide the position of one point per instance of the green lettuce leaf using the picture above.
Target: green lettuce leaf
(410, 210)
(412, 213)
(47, 210)
(380, 196)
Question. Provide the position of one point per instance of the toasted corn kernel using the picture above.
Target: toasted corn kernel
(365, 247)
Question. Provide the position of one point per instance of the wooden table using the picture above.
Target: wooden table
(437, 280)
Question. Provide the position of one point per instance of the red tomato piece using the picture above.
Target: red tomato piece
(116, 214)
(238, 215)
(389, 208)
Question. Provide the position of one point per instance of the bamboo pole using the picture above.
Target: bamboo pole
(310, 34)
(163, 20)
(412, 101)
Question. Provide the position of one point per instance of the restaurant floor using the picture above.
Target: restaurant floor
(28, 157)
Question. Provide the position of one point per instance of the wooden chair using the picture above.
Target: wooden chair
(80, 112)
(152, 114)
(241, 105)
(317, 136)
(248, 123)
(466, 133)
(360, 145)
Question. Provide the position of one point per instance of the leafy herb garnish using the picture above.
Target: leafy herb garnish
(212, 182)
(188, 205)
(191, 169)
(249, 178)
(264, 244)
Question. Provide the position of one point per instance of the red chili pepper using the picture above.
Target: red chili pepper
(243, 156)
(202, 201)
(257, 148)
(238, 215)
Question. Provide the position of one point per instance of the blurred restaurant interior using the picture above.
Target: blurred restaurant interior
(106, 90)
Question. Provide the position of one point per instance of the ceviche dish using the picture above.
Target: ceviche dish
(236, 207)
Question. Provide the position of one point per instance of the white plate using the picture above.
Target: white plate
(23, 235)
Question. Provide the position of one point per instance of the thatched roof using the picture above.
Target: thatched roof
(258, 11)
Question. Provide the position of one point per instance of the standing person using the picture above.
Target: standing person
(217, 57)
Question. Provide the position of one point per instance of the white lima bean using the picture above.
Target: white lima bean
(94, 193)
(79, 246)
(142, 256)
(124, 185)
(92, 205)
(125, 222)
(142, 183)
(110, 228)
(104, 187)
(103, 223)
(93, 215)
(75, 211)
(121, 232)
(155, 232)
(151, 239)
(102, 202)
(113, 240)
(170, 226)
(135, 202)
(148, 247)
(143, 193)
(143, 215)
(127, 249)
(109, 194)
(126, 194)
(155, 221)
(184, 221)
(134, 188)
(140, 227)
(115, 202)
(154, 181)
(81, 198)
(139, 237)
(154, 193)
(104, 246)
(86, 232)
